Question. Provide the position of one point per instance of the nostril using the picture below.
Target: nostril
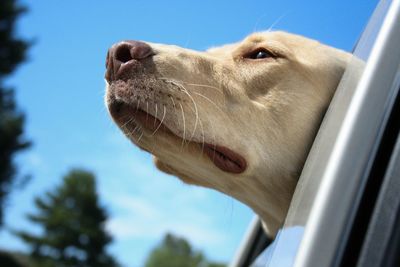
(123, 53)
(125, 57)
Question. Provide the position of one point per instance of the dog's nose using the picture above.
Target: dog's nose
(125, 55)
(131, 50)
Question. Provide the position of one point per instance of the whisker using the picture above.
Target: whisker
(214, 143)
(179, 84)
(187, 41)
(208, 99)
(203, 138)
(255, 29)
(171, 65)
(277, 21)
(127, 131)
(193, 101)
(205, 86)
(173, 102)
(155, 121)
(196, 110)
(140, 137)
(104, 110)
(196, 113)
(147, 110)
(184, 126)
(136, 129)
(127, 122)
(163, 117)
(138, 104)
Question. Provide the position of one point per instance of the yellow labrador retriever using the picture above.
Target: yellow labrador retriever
(238, 118)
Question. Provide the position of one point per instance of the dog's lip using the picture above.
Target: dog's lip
(222, 157)
(225, 159)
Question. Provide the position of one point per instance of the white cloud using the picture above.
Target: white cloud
(136, 206)
(139, 218)
(124, 228)
(129, 227)
(199, 234)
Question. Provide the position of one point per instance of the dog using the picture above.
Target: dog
(239, 118)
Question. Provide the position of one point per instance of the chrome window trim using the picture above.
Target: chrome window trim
(254, 242)
(243, 252)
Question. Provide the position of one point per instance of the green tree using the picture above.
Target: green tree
(12, 53)
(177, 252)
(73, 225)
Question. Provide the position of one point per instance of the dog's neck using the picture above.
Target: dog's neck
(270, 207)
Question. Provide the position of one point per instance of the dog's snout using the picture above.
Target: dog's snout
(125, 55)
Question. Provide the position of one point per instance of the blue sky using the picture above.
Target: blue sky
(61, 90)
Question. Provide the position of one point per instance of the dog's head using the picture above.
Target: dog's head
(238, 118)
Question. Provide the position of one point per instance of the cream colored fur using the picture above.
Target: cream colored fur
(268, 111)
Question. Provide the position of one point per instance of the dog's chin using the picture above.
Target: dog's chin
(143, 128)
(188, 179)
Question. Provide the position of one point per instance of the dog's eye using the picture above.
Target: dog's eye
(259, 54)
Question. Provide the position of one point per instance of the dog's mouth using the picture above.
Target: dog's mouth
(225, 159)
(222, 157)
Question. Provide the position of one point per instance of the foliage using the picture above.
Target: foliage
(73, 225)
(177, 252)
(12, 53)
